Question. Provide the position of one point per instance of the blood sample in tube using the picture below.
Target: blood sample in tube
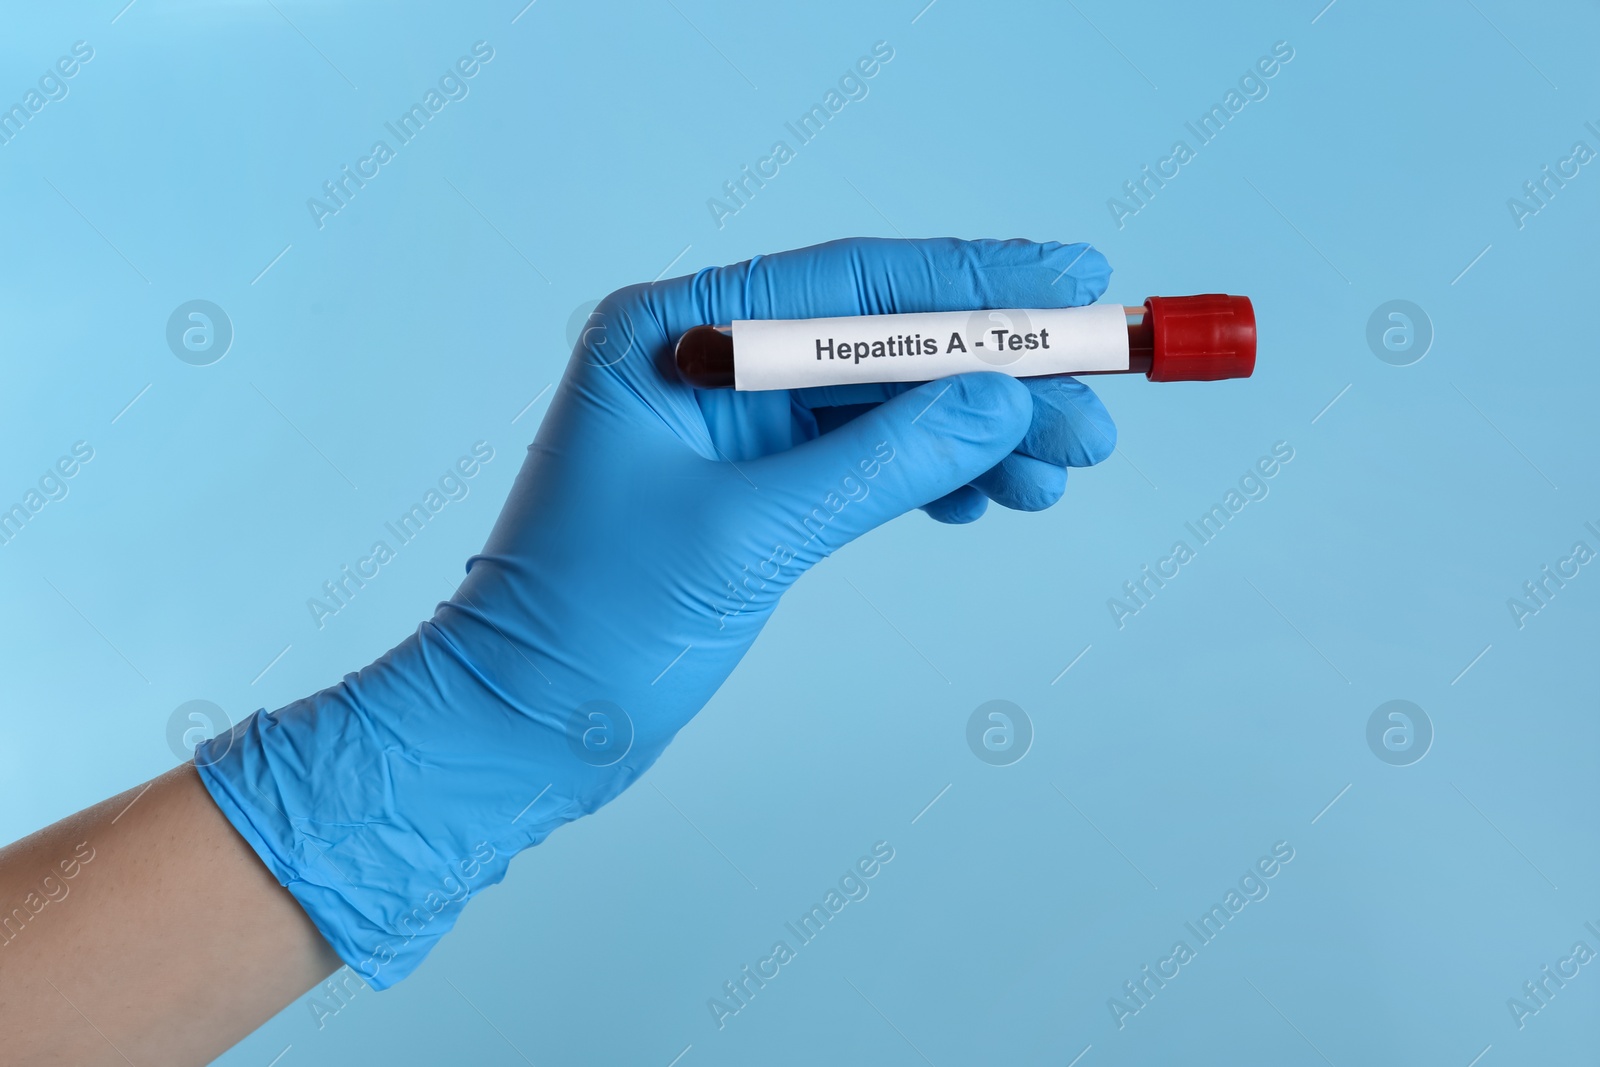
(1167, 339)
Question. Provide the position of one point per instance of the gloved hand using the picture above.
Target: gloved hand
(648, 537)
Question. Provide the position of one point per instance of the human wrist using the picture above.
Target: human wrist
(385, 802)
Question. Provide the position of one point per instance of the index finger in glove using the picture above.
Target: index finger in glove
(877, 276)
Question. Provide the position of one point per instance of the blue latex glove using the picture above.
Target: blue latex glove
(647, 539)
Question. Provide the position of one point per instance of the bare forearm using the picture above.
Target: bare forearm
(144, 929)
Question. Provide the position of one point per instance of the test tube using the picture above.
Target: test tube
(1167, 339)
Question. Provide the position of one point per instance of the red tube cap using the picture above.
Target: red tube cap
(1201, 338)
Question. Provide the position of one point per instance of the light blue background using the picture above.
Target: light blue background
(1222, 719)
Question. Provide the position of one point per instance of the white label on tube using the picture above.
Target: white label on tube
(797, 353)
